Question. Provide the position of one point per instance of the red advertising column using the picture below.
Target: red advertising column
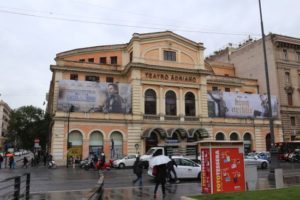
(227, 170)
(205, 170)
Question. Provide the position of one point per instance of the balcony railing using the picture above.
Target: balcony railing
(191, 118)
(151, 117)
(169, 117)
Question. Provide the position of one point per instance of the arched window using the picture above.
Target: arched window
(220, 136)
(96, 143)
(75, 137)
(150, 102)
(171, 103)
(190, 104)
(247, 143)
(75, 145)
(116, 145)
(234, 136)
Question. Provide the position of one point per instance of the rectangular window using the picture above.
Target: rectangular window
(109, 79)
(91, 60)
(74, 77)
(102, 60)
(92, 78)
(298, 56)
(113, 60)
(227, 89)
(214, 88)
(170, 55)
(287, 77)
(293, 121)
(81, 60)
(290, 99)
(285, 54)
(130, 56)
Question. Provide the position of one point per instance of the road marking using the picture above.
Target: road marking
(58, 191)
(147, 186)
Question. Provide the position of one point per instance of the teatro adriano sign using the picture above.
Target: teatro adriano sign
(170, 77)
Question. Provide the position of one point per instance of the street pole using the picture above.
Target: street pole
(71, 109)
(273, 150)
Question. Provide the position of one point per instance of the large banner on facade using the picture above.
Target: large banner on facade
(87, 96)
(240, 105)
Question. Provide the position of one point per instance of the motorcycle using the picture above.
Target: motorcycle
(51, 164)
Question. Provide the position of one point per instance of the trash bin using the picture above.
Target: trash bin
(251, 176)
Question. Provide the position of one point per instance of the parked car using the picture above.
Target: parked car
(17, 153)
(255, 160)
(126, 161)
(186, 168)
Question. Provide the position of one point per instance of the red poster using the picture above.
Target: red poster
(227, 170)
(205, 171)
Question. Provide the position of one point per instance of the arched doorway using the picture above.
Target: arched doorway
(234, 136)
(247, 143)
(268, 142)
(220, 136)
(116, 145)
(96, 143)
(74, 145)
(151, 141)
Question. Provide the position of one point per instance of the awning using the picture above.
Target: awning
(159, 131)
(182, 132)
(198, 132)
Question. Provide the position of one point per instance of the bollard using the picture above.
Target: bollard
(27, 194)
(17, 188)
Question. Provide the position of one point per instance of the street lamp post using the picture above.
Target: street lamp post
(71, 109)
(274, 162)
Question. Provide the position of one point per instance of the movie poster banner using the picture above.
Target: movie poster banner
(240, 105)
(87, 96)
(228, 170)
(205, 171)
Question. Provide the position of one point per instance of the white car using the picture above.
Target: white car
(17, 153)
(126, 161)
(186, 168)
(254, 160)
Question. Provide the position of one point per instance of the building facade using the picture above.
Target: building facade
(5, 111)
(127, 98)
(283, 57)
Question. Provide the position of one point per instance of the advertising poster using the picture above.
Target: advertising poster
(240, 105)
(228, 170)
(87, 96)
(205, 171)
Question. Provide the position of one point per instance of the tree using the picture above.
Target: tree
(26, 124)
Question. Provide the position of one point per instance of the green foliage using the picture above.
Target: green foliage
(26, 124)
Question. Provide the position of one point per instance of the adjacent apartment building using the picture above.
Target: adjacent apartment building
(5, 111)
(154, 90)
(283, 56)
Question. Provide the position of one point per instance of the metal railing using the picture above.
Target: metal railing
(15, 188)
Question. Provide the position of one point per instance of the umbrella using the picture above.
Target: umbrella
(159, 160)
(9, 155)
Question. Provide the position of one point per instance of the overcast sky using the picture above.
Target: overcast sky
(33, 31)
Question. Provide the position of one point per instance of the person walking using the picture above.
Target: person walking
(160, 178)
(1, 160)
(25, 162)
(138, 171)
(170, 168)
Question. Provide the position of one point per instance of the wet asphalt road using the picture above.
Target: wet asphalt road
(69, 183)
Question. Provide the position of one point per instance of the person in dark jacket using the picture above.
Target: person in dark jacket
(160, 178)
(138, 170)
(170, 168)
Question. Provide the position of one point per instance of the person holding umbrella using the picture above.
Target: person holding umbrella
(160, 165)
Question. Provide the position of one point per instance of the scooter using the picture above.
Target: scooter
(51, 164)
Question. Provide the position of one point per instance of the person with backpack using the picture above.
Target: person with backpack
(1, 160)
(138, 171)
(25, 162)
(170, 168)
(160, 178)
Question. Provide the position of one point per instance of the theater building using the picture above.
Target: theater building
(155, 90)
